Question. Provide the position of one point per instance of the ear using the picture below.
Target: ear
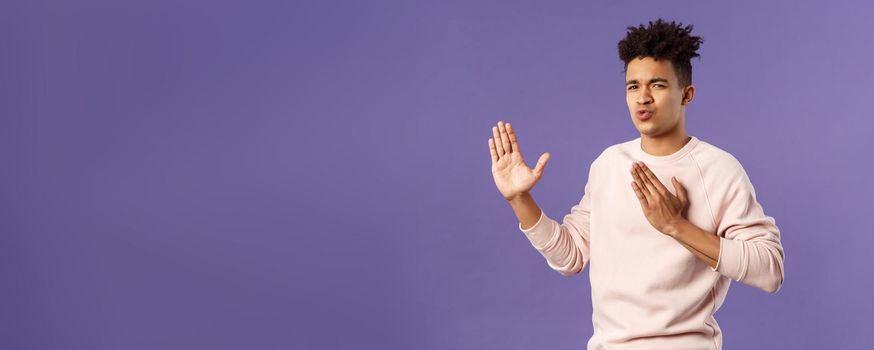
(688, 94)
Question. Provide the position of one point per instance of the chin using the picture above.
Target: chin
(645, 130)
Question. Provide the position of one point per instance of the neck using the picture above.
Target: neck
(665, 144)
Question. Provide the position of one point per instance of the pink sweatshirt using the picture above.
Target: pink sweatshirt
(648, 291)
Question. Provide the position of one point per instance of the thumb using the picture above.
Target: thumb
(681, 191)
(541, 163)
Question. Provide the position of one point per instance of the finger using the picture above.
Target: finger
(653, 190)
(514, 144)
(639, 194)
(499, 147)
(643, 182)
(641, 185)
(681, 191)
(659, 187)
(541, 163)
(505, 139)
(492, 150)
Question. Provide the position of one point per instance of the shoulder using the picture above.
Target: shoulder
(603, 165)
(613, 153)
(721, 171)
(717, 161)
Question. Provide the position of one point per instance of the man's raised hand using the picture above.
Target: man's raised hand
(512, 176)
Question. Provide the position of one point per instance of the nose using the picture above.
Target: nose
(644, 96)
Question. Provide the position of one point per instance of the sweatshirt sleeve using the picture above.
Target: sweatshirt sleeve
(750, 249)
(565, 246)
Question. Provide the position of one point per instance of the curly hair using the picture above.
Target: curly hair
(662, 40)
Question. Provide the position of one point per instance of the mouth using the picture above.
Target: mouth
(643, 114)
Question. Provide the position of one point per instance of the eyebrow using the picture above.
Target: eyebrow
(653, 80)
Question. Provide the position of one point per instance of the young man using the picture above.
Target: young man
(666, 220)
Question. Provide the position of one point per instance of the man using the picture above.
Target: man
(666, 220)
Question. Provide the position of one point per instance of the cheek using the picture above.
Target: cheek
(668, 102)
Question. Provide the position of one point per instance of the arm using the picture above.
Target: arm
(751, 251)
(666, 213)
(526, 210)
(747, 245)
(565, 246)
(703, 244)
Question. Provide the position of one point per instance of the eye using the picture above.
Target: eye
(632, 87)
(659, 85)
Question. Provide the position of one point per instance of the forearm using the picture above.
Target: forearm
(526, 210)
(703, 244)
(706, 259)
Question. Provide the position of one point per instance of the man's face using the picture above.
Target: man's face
(654, 96)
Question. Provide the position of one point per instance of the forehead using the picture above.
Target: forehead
(643, 69)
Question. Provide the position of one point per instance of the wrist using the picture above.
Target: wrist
(518, 199)
(676, 227)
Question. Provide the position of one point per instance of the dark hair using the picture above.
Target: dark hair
(662, 40)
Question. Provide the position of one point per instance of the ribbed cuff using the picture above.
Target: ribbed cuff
(541, 233)
(731, 258)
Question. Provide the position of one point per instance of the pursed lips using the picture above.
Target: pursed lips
(644, 114)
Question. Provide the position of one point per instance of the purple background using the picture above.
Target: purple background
(274, 175)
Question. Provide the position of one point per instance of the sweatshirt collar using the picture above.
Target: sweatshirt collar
(640, 154)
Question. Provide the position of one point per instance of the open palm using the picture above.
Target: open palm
(512, 176)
